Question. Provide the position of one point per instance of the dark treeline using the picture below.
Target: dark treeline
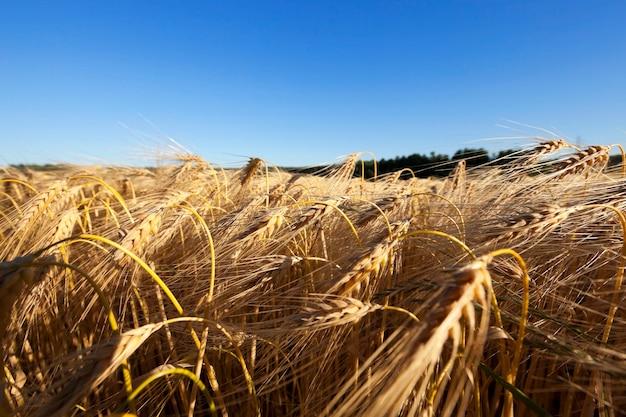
(425, 166)
(418, 165)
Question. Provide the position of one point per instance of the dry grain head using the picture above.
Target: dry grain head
(64, 227)
(38, 204)
(140, 235)
(593, 157)
(264, 225)
(331, 312)
(406, 369)
(248, 172)
(316, 211)
(344, 170)
(544, 148)
(369, 265)
(456, 179)
(538, 221)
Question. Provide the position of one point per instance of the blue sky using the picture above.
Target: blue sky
(304, 82)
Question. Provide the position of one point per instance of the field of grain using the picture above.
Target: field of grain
(193, 290)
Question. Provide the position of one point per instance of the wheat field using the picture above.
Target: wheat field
(191, 290)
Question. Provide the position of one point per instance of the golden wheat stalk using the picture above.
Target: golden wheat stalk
(64, 228)
(544, 148)
(345, 170)
(316, 211)
(456, 179)
(137, 238)
(369, 265)
(265, 225)
(330, 312)
(534, 224)
(38, 204)
(249, 171)
(187, 173)
(87, 370)
(412, 355)
(593, 157)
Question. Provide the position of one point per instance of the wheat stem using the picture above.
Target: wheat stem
(519, 342)
(175, 371)
(205, 227)
(108, 187)
(90, 238)
(442, 234)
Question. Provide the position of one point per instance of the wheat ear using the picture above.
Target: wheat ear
(264, 225)
(594, 156)
(38, 204)
(538, 222)
(315, 212)
(456, 179)
(140, 235)
(331, 312)
(369, 265)
(544, 148)
(248, 172)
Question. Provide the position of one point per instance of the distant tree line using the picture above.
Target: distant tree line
(38, 167)
(424, 166)
(419, 165)
(433, 165)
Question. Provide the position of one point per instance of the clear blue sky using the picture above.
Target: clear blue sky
(304, 82)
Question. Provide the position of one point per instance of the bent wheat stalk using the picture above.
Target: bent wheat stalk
(90, 369)
(416, 351)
